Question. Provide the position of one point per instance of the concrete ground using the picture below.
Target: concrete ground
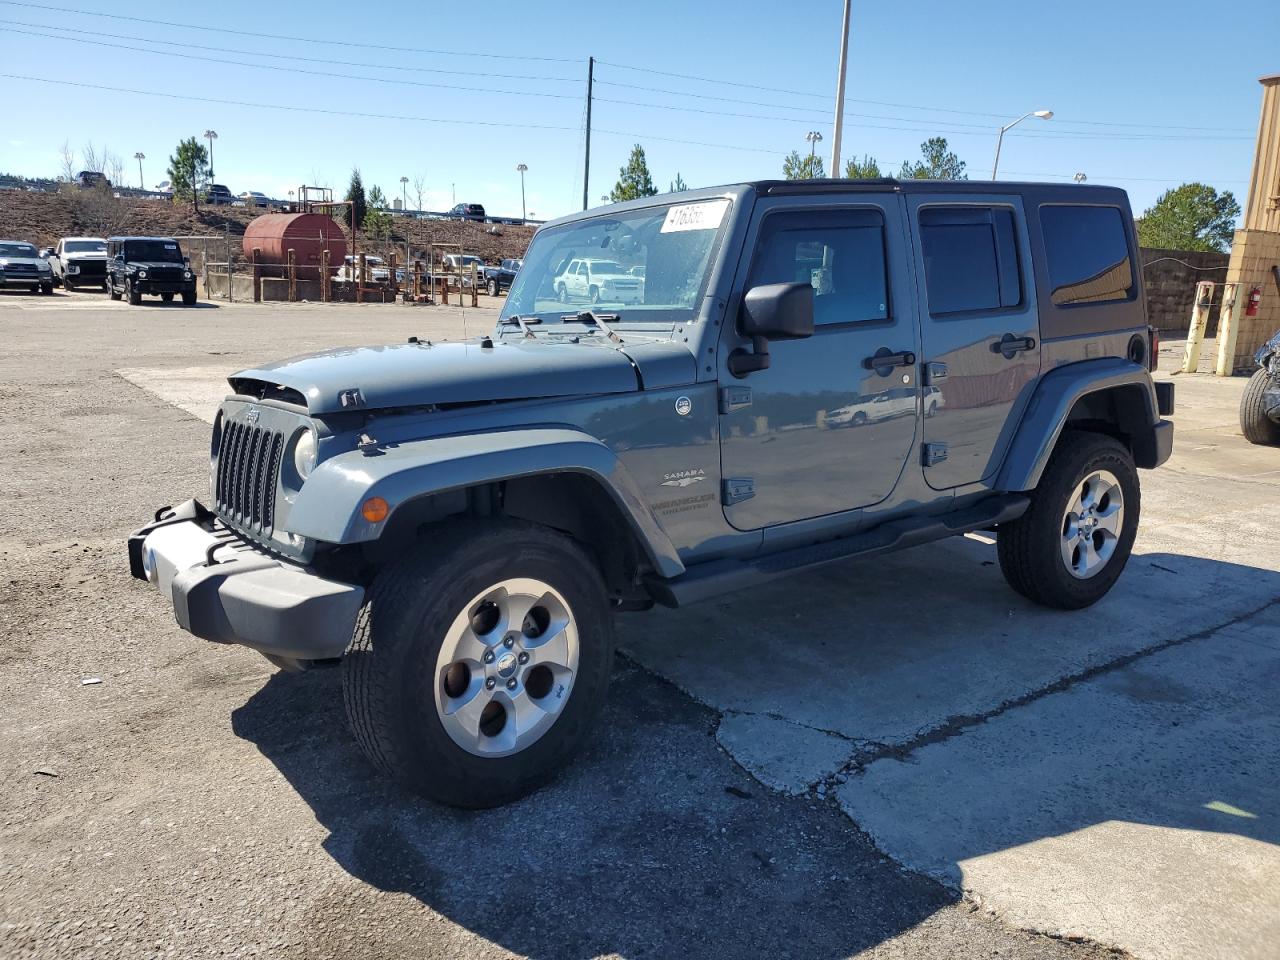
(896, 758)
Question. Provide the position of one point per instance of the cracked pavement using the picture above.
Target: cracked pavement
(893, 758)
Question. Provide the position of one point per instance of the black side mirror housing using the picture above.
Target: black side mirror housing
(773, 311)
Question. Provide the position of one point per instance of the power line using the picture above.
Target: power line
(292, 109)
(314, 73)
(258, 34)
(286, 56)
(877, 103)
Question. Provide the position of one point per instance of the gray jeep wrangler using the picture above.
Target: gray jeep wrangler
(809, 371)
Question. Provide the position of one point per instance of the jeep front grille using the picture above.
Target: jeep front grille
(248, 465)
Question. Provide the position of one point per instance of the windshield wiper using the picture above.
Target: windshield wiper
(601, 320)
(523, 323)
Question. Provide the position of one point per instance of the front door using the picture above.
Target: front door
(981, 338)
(830, 424)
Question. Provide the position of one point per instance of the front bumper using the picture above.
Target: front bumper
(227, 590)
(165, 286)
(25, 279)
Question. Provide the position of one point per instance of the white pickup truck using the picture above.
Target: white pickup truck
(80, 262)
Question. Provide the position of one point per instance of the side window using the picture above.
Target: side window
(840, 252)
(970, 259)
(1086, 254)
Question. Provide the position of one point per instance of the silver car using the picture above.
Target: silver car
(22, 266)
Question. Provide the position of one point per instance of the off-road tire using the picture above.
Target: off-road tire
(167, 297)
(188, 298)
(1030, 547)
(112, 292)
(132, 293)
(1256, 426)
(389, 672)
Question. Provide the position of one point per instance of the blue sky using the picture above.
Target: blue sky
(1146, 95)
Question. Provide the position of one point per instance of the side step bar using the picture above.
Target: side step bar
(722, 576)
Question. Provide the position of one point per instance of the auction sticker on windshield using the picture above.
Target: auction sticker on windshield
(695, 216)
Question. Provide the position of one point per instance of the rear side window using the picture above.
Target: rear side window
(970, 259)
(839, 252)
(1086, 254)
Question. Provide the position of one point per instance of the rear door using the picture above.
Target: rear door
(981, 339)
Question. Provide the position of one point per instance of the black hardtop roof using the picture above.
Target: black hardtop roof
(831, 185)
(122, 239)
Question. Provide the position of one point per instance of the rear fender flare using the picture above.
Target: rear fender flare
(328, 507)
(1058, 393)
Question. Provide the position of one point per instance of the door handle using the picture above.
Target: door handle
(884, 361)
(1010, 346)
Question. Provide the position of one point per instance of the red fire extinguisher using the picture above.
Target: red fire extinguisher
(1255, 298)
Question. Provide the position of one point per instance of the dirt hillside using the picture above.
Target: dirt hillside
(43, 218)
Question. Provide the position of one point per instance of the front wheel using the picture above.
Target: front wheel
(112, 292)
(480, 662)
(1072, 544)
(1256, 426)
(132, 293)
(47, 288)
(188, 298)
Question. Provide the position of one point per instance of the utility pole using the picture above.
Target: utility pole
(140, 156)
(521, 168)
(844, 60)
(586, 161)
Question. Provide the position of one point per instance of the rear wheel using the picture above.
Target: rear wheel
(1256, 426)
(1072, 544)
(479, 665)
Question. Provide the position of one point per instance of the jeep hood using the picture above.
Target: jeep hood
(421, 374)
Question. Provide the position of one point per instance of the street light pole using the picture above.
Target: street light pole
(523, 216)
(404, 194)
(140, 156)
(211, 135)
(814, 138)
(1040, 114)
(844, 62)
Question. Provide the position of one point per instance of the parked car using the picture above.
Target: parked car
(376, 270)
(22, 266)
(148, 266)
(458, 266)
(217, 194)
(79, 262)
(467, 211)
(1260, 402)
(252, 198)
(459, 522)
(92, 178)
(598, 281)
(498, 279)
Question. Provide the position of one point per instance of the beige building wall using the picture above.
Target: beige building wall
(1255, 251)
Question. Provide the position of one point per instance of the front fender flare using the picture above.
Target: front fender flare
(328, 506)
(1058, 392)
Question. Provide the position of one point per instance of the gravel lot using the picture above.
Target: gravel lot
(195, 803)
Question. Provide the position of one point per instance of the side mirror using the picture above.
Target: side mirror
(186, 261)
(774, 311)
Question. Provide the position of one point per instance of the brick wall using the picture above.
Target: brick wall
(1170, 278)
(1253, 255)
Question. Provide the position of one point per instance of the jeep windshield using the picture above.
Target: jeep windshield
(153, 251)
(592, 264)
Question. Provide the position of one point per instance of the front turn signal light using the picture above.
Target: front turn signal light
(375, 510)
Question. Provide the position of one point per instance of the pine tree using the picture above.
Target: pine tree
(355, 195)
(634, 180)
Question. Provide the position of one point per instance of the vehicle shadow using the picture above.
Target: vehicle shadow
(655, 843)
(652, 844)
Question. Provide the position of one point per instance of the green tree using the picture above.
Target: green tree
(377, 199)
(377, 224)
(188, 169)
(355, 195)
(1193, 216)
(803, 167)
(634, 180)
(865, 169)
(939, 163)
(678, 185)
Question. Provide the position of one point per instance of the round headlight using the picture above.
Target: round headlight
(186, 274)
(304, 454)
(142, 274)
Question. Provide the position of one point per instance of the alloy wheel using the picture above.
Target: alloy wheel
(1092, 523)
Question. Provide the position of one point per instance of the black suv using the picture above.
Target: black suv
(150, 265)
(219, 195)
(468, 211)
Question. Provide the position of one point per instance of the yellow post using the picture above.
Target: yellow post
(1228, 328)
(1199, 320)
